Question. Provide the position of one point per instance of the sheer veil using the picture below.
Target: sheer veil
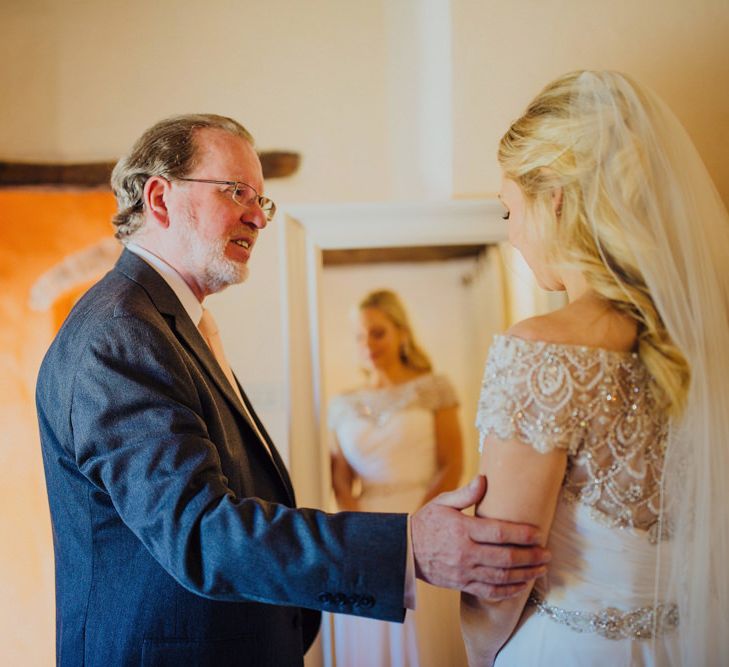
(678, 229)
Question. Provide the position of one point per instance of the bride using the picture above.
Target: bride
(606, 422)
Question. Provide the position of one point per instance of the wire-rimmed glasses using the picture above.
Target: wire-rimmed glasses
(242, 194)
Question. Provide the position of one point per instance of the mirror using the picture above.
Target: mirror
(315, 304)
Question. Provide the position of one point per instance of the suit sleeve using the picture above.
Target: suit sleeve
(138, 435)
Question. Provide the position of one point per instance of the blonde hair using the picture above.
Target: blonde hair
(387, 302)
(562, 142)
(167, 149)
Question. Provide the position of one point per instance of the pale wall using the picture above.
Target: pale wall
(83, 78)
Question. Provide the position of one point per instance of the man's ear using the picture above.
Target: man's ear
(557, 201)
(155, 199)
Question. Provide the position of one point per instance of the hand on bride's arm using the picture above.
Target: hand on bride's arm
(524, 486)
(485, 557)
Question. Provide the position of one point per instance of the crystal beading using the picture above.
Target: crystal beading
(429, 391)
(597, 404)
(612, 623)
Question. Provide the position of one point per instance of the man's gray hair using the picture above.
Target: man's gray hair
(166, 149)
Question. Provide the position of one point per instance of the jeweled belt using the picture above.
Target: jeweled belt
(612, 623)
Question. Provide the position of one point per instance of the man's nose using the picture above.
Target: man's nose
(254, 215)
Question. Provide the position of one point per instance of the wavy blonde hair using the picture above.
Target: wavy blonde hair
(387, 302)
(562, 142)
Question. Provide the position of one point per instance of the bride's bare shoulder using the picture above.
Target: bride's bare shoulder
(592, 327)
(546, 328)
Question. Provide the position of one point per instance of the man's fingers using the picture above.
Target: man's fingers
(497, 556)
(465, 496)
(493, 531)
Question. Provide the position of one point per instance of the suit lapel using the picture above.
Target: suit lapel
(166, 301)
(190, 334)
(278, 462)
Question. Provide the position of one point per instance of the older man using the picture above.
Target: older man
(176, 536)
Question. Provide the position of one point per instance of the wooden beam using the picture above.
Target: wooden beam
(279, 164)
(276, 164)
(403, 254)
(24, 174)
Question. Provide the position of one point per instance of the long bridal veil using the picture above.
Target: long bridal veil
(678, 230)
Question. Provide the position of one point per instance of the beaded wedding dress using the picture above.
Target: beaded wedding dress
(603, 600)
(388, 438)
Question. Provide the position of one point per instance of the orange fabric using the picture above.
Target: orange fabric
(37, 230)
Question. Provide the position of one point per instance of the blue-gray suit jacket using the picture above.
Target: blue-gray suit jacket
(175, 535)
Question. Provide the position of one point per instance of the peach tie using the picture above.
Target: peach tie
(209, 330)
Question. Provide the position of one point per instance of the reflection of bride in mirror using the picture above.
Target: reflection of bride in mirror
(605, 422)
(396, 445)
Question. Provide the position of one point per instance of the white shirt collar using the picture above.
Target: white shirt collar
(176, 282)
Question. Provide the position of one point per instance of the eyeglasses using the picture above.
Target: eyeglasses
(242, 194)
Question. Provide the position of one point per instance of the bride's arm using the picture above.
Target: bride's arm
(523, 486)
(343, 477)
(448, 453)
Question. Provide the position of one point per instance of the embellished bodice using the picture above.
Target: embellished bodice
(428, 391)
(598, 405)
(387, 435)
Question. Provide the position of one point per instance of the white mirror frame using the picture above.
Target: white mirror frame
(308, 230)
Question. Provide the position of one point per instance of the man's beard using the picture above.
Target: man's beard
(212, 269)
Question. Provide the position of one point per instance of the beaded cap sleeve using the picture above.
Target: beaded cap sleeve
(596, 404)
(429, 391)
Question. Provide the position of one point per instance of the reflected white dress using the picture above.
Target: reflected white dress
(599, 603)
(388, 438)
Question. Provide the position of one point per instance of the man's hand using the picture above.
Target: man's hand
(485, 557)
